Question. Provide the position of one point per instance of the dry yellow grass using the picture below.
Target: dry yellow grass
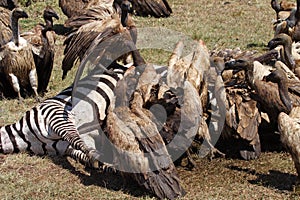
(220, 24)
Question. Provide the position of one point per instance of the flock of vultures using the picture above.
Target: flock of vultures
(227, 92)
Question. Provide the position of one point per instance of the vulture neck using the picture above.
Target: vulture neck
(138, 60)
(284, 94)
(124, 17)
(48, 26)
(286, 54)
(15, 30)
(49, 23)
(297, 14)
(275, 5)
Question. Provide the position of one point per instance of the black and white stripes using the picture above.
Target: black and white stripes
(55, 126)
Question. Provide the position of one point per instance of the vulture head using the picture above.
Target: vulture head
(18, 13)
(49, 13)
(276, 6)
(239, 64)
(280, 39)
(286, 41)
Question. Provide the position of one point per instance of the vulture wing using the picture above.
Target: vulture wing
(6, 32)
(155, 8)
(78, 42)
(78, 7)
(95, 13)
(72, 8)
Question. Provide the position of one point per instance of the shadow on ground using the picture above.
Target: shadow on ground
(273, 178)
(110, 181)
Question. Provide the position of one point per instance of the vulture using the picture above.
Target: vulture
(283, 8)
(288, 52)
(79, 41)
(289, 128)
(273, 92)
(42, 39)
(192, 69)
(290, 25)
(140, 151)
(16, 59)
(288, 90)
(242, 117)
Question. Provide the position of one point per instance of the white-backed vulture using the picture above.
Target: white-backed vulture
(288, 98)
(16, 59)
(289, 90)
(290, 25)
(288, 53)
(140, 151)
(78, 42)
(289, 128)
(242, 117)
(283, 8)
(273, 98)
(42, 38)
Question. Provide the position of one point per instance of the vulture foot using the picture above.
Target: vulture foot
(38, 99)
(214, 152)
(21, 99)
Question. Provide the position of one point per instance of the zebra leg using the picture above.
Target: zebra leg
(66, 129)
(87, 161)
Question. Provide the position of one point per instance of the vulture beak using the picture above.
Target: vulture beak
(272, 44)
(55, 16)
(24, 15)
(230, 64)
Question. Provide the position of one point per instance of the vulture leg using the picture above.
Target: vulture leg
(15, 83)
(33, 83)
(214, 151)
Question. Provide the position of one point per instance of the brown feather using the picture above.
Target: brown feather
(141, 151)
(155, 8)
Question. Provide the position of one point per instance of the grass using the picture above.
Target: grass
(220, 24)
